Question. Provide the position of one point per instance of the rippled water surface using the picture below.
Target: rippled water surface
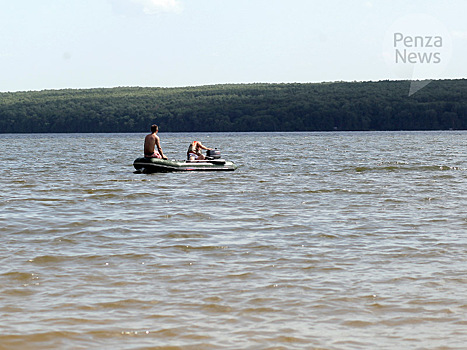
(318, 240)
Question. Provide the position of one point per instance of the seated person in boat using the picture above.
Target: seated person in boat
(194, 151)
(151, 141)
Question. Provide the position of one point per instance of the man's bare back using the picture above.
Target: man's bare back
(151, 141)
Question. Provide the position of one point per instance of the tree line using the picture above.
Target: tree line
(382, 105)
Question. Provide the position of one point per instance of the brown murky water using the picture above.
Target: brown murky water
(318, 240)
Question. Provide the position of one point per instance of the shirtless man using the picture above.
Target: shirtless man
(152, 141)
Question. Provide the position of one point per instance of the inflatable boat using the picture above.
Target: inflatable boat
(156, 165)
(213, 162)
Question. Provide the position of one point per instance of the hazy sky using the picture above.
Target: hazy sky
(53, 44)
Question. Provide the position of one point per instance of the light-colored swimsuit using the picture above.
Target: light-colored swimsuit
(193, 151)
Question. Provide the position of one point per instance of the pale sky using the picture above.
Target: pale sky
(55, 44)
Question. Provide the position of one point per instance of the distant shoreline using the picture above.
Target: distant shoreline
(334, 106)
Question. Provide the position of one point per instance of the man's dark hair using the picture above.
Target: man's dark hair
(154, 128)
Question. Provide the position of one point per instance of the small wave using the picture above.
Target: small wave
(357, 323)
(18, 276)
(187, 248)
(188, 234)
(338, 190)
(217, 308)
(258, 310)
(406, 167)
(288, 339)
(48, 259)
(124, 304)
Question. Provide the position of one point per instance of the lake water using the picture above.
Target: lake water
(317, 241)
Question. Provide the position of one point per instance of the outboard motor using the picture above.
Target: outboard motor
(213, 154)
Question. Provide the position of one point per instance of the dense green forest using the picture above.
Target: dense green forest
(383, 105)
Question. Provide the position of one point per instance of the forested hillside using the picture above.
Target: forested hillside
(383, 105)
